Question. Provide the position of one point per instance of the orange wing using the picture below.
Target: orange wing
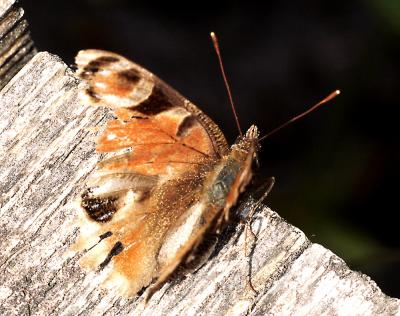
(116, 82)
(138, 197)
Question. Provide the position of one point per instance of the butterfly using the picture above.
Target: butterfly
(168, 180)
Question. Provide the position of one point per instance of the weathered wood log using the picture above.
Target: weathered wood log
(47, 152)
(16, 46)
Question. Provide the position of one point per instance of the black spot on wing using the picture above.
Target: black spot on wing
(185, 125)
(99, 209)
(156, 103)
(93, 95)
(95, 65)
(131, 75)
(116, 250)
(105, 235)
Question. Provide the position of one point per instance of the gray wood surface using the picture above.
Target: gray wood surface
(47, 151)
(16, 46)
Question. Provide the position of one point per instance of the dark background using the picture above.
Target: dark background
(337, 170)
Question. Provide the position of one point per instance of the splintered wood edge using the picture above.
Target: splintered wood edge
(48, 153)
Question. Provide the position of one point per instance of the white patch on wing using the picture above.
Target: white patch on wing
(100, 85)
(115, 99)
(111, 136)
(105, 73)
(180, 235)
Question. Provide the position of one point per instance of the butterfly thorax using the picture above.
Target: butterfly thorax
(234, 171)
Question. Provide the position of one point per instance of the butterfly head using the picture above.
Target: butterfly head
(246, 146)
(249, 140)
(252, 133)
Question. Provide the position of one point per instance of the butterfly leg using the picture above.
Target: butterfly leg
(266, 187)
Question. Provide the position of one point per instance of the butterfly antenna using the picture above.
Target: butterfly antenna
(228, 89)
(299, 116)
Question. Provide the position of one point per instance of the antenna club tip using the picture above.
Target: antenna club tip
(212, 34)
(337, 92)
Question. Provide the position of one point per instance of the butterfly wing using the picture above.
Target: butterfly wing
(138, 197)
(116, 82)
